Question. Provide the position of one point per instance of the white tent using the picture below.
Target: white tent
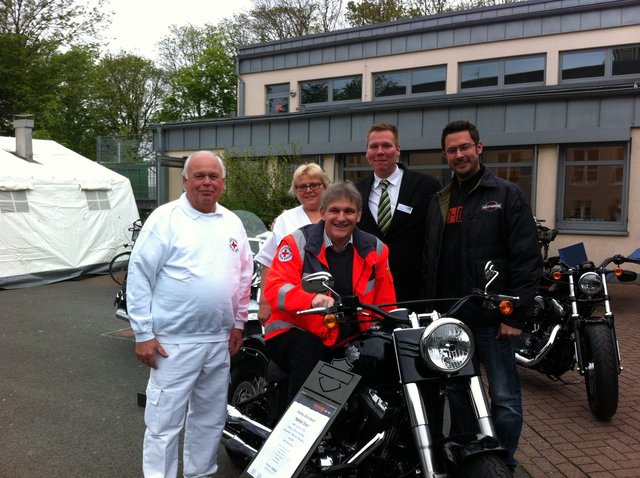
(61, 214)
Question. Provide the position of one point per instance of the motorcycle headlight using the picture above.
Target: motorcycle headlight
(590, 283)
(446, 345)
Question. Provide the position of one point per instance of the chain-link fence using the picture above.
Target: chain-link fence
(131, 156)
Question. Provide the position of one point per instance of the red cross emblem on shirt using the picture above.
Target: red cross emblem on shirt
(284, 254)
(233, 244)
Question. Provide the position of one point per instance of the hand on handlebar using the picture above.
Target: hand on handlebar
(505, 331)
(322, 300)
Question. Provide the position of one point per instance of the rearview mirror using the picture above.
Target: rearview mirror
(318, 283)
(490, 274)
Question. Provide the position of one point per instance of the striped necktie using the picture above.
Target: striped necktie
(384, 208)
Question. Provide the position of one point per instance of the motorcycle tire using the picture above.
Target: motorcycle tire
(601, 372)
(486, 465)
(118, 267)
(247, 379)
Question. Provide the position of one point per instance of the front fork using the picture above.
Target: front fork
(420, 421)
(579, 323)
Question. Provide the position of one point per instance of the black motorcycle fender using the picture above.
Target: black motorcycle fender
(252, 349)
(463, 446)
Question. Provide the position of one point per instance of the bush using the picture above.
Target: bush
(259, 185)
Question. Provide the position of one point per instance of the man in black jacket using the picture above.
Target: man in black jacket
(479, 217)
(402, 229)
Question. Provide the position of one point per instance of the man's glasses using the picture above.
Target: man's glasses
(463, 148)
(303, 187)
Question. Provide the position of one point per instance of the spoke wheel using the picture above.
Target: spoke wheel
(118, 267)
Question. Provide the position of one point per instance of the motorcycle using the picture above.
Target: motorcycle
(573, 323)
(257, 234)
(391, 422)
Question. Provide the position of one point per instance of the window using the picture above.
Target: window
(524, 70)
(430, 162)
(513, 164)
(332, 90)
(626, 61)
(410, 82)
(588, 64)
(13, 201)
(354, 167)
(603, 63)
(593, 185)
(97, 200)
(277, 99)
(477, 75)
(503, 72)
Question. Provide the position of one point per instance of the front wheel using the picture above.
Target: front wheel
(118, 267)
(486, 465)
(247, 381)
(601, 371)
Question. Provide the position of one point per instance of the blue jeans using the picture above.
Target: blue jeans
(498, 358)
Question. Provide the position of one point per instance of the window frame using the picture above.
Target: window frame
(14, 201)
(277, 95)
(619, 227)
(409, 83)
(501, 66)
(609, 58)
(98, 203)
(330, 90)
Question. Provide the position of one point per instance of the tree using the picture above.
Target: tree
(370, 12)
(31, 35)
(129, 92)
(271, 20)
(61, 22)
(200, 73)
(430, 7)
(70, 116)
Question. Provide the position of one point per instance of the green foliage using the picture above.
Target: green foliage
(369, 12)
(57, 22)
(70, 116)
(128, 93)
(33, 78)
(201, 74)
(259, 185)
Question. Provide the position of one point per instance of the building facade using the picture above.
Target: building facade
(553, 86)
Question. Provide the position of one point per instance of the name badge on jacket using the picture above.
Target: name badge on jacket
(405, 208)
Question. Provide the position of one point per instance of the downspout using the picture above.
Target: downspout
(240, 90)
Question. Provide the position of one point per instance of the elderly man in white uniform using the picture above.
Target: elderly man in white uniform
(188, 294)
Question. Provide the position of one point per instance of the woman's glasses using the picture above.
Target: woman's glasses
(303, 187)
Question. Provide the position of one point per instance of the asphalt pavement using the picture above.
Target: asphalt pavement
(69, 384)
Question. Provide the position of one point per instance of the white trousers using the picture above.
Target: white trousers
(196, 375)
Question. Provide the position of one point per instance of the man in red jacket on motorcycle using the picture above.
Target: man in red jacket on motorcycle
(358, 262)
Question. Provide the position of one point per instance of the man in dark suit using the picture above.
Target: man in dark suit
(402, 222)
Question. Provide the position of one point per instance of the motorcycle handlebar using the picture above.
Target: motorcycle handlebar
(356, 306)
(618, 259)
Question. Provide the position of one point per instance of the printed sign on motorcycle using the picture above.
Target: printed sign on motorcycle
(292, 438)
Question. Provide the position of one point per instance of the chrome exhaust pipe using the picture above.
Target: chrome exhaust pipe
(371, 446)
(543, 352)
(235, 417)
(237, 444)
